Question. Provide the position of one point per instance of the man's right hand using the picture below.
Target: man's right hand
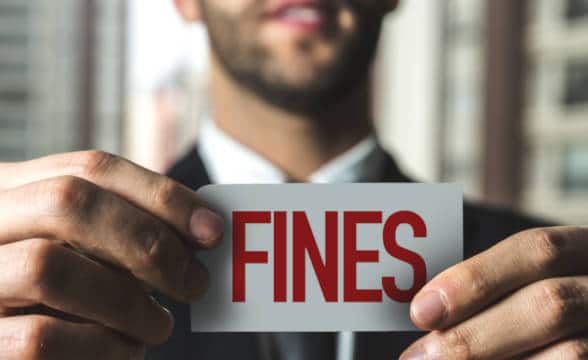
(87, 236)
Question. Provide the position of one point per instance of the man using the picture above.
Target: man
(86, 237)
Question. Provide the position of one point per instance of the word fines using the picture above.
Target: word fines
(326, 268)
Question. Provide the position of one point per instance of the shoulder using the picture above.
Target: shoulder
(485, 225)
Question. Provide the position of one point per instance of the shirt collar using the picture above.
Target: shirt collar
(229, 162)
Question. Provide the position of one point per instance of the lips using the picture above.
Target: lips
(301, 14)
(304, 14)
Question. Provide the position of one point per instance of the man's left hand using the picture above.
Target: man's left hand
(525, 297)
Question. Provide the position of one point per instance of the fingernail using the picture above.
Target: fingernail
(416, 353)
(196, 280)
(428, 348)
(429, 309)
(165, 315)
(206, 226)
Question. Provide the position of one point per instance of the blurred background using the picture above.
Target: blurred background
(492, 94)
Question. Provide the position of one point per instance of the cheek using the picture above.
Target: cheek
(346, 21)
(233, 8)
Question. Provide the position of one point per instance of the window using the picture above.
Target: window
(462, 120)
(575, 168)
(576, 92)
(14, 71)
(577, 9)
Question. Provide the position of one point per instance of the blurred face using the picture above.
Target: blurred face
(300, 55)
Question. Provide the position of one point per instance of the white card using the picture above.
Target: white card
(338, 257)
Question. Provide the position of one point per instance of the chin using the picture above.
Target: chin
(301, 76)
(300, 68)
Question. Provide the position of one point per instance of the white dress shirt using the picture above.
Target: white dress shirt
(229, 162)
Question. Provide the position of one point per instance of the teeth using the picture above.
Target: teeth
(302, 14)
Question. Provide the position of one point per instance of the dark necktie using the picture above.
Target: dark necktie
(298, 346)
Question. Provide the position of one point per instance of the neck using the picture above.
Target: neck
(297, 144)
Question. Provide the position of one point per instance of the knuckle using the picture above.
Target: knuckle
(457, 342)
(166, 194)
(159, 253)
(576, 349)
(152, 238)
(558, 302)
(42, 269)
(472, 277)
(549, 247)
(36, 338)
(159, 256)
(95, 162)
(72, 195)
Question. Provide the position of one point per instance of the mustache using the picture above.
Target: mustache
(259, 8)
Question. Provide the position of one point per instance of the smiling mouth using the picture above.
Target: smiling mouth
(305, 16)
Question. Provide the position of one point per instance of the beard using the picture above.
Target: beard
(253, 67)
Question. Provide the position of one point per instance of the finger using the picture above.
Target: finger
(39, 337)
(41, 272)
(105, 226)
(467, 288)
(569, 349)
(166, 199)
(529, 319)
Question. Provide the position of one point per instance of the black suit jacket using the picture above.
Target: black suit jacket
(483, 227)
